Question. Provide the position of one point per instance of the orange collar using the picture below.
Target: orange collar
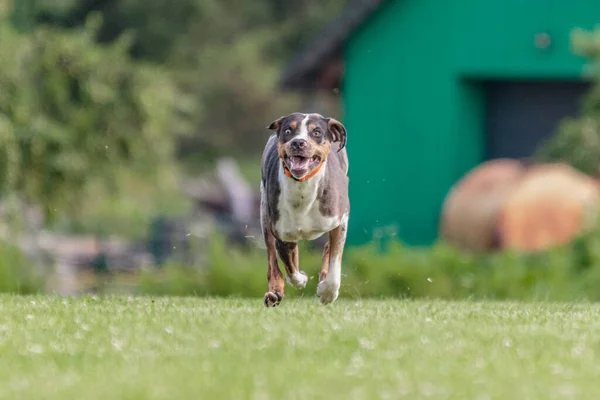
(289, 174)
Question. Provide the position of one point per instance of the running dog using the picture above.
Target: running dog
(304, 194)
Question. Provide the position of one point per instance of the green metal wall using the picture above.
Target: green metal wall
(414, 103)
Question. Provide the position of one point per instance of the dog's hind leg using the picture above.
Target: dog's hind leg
(328, 288)
(288, 252)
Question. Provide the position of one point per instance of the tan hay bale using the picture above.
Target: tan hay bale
(471, 207)
(551, 206)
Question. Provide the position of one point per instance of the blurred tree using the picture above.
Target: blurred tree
(74, 114)
(154, 26)
(226, 54)
(231, 58)
(577, 140)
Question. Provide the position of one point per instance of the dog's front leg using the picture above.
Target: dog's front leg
(324, 262)
(288, 252)
(274, 276)
(328, 288)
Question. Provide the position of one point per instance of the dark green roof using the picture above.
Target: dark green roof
(302, 69)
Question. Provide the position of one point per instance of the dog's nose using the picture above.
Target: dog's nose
(299, 144)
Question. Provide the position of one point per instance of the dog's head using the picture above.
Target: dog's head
(304, 140)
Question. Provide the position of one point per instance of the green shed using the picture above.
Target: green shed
(432, 88)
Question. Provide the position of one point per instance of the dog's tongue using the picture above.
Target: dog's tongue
(298, 163)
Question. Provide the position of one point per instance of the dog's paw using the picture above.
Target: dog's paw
(298, 280)
(272, 299)
(328, 291)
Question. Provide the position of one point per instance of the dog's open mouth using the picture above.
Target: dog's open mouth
(300, 165)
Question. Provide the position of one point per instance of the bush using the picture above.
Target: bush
(226, 271)
(562, 273)
(74, 115)
(16, 272)
(577, 140)
(226, 55)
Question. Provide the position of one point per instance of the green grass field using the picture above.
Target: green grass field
(175, 348)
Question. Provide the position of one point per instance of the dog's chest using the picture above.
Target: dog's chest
(300, 217)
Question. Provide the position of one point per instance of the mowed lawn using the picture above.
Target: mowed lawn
(176, 348)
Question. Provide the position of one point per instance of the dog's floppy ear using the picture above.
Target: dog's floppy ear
(337, 132)
(275, 125)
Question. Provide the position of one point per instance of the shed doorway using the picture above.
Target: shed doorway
(522, 114)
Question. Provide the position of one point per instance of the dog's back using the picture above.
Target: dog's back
(270, 160)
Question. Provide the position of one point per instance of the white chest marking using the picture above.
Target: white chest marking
(299, 214)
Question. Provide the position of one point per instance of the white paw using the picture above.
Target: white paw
(298, 280)
(328, 291)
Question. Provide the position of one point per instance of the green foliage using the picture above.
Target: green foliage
(577, 140)
(80, 121)
(226, 56)
(128, 211)
(16, 273)
(226, 271)
(75, 114)
(231, 59)
(159, 27)
(563, 273)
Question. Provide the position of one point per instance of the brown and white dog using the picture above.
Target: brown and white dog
(304, 194)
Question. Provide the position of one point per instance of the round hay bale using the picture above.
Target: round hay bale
(551, 206)
(471, 207)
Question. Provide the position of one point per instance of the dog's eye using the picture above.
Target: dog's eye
(288, 131)
(317, 133)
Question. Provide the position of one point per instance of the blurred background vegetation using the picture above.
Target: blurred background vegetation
(122, 95)
(108, 107)
(110, 110)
